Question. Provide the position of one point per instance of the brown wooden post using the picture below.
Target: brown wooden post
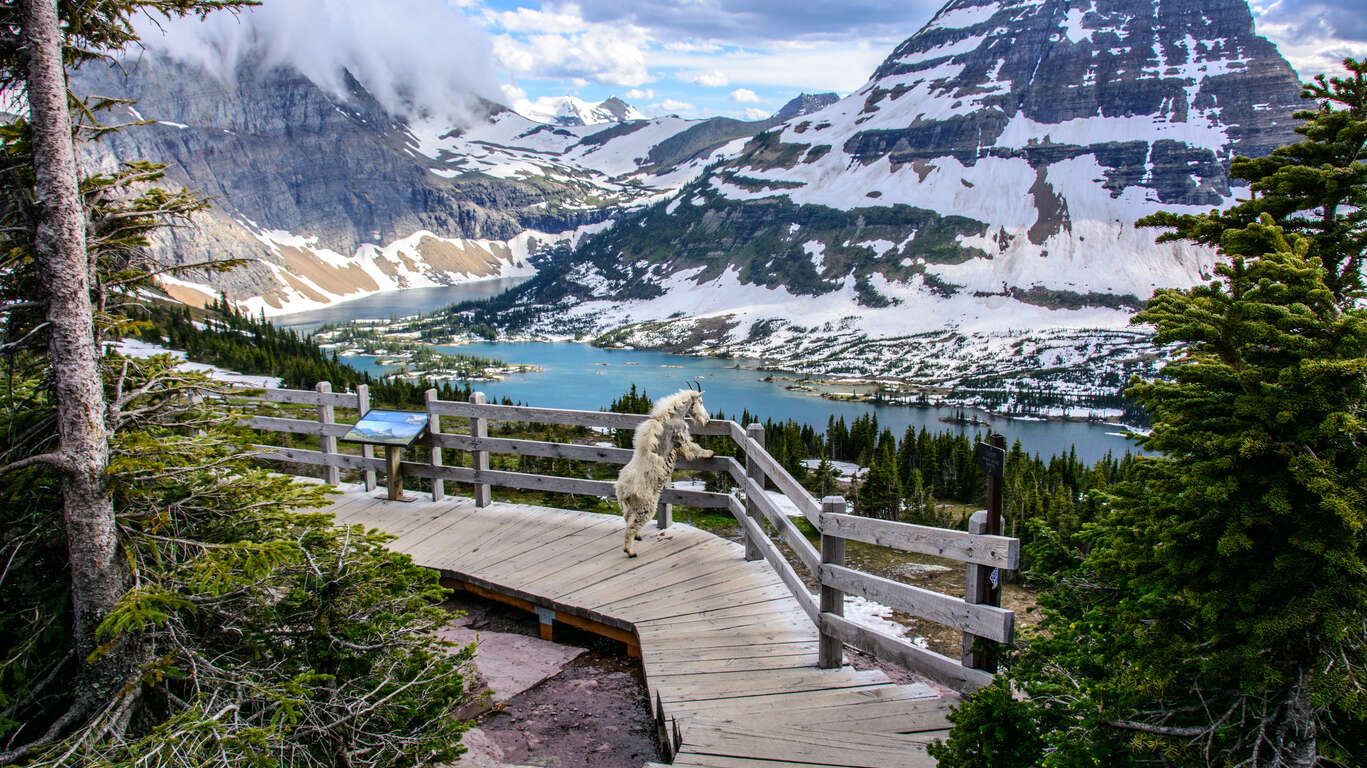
(433, 429)
(479, 429)
(831, 652)
(756, 433)
(393, 474)
(367, 451)
(974, 577)
(983, 583)
(331, 474)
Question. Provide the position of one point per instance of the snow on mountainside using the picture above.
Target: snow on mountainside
(333, 198)
(966, 215)
(571, 110)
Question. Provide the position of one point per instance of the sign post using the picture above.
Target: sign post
(395, 430)
(984, 582)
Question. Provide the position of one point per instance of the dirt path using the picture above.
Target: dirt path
(580, 701)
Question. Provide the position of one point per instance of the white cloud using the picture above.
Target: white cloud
(744, 95)
(559, 44)
(1313, 35)
(640, 93)
(711, 78)
(392, 48)
(838, 66)
(673, 106)
(754, 113)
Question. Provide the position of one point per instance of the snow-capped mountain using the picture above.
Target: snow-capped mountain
(332, 198)
(571, 110)
(969, 213)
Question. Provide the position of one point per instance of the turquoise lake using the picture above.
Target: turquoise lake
(584, 377)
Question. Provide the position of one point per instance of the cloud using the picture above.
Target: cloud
(744, 95)
(711, 78)
(418, 58)
(752, 113)
(829, 66)
(673, 106)
(752, 21)
(559, 44)
(639, 93)
(1313, 35)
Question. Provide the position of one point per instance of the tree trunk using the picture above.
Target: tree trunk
(97, 571)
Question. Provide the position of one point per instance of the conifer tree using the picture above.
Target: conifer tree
(213, 622)
(1216, 612)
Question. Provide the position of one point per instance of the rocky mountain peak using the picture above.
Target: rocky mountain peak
(970, 211)
(574, 111)
(805, 104)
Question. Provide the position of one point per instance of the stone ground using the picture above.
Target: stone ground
(580, 701)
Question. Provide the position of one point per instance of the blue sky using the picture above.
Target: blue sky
(745, 58)
(694, 58)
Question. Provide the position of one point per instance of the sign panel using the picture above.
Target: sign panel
(992, 459)
(398, 428)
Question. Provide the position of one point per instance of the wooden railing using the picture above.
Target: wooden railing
(752, 507)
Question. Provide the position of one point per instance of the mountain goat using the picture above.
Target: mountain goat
(658, 443)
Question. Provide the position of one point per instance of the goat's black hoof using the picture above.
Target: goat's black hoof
(638, 537)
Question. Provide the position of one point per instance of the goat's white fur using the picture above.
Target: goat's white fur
(659, 442)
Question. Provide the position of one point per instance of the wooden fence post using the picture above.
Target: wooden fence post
(331, 474)
(756, 433)
(433, 429)
(367, 451)
(479, 429)
(664, 514)
(831, 652)
(973, 655)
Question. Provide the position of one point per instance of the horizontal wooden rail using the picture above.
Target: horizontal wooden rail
(317, 458)
(981, 620)
(556, 484)
(994, 551)
(892, 649)
(295, 426)
(787, 531)
(596, 453)
(808, 506)
(307, 397)
(565, 416)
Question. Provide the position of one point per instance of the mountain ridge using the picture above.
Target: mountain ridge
(978, 193)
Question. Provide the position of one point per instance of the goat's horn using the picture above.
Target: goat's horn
(699, 383)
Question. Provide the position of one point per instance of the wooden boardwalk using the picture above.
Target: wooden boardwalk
(730, 658)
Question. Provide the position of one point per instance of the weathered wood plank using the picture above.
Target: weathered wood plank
(294, 426)
(305, 397)
(941, 669)
(996, 551)
(726, 644)
(789, 532)
(982, 620)
(316, 458)
(576, 451)
(606, 419)
(785, 482)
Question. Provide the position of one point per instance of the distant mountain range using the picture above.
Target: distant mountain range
(333, 198)
(964, 218)
(573, 111)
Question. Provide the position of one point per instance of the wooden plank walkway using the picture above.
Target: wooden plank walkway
(729, 657)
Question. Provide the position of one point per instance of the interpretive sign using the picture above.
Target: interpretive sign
(992, 459)
(392, 428)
